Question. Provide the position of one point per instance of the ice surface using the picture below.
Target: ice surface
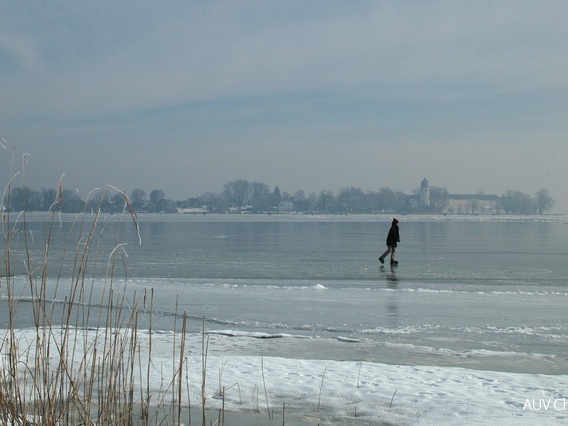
(345, 392)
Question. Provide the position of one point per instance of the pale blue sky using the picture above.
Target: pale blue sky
(185, 96)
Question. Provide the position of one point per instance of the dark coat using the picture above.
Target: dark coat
(393, 237)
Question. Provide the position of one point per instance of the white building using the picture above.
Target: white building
(457, 203)
(285, 207)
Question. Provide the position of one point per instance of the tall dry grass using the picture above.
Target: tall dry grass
(82, 362)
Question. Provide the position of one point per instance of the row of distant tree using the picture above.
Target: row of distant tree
(66, 200)
(255, 197)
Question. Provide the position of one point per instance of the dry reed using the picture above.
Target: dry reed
(83, 362)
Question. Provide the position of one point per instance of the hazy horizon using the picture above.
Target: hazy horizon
(186, 96)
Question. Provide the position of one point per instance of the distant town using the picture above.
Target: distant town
(242, 196)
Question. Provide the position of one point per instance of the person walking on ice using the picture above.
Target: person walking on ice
(393, 238)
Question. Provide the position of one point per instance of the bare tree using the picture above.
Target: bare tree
(543, 201)
(138, 198)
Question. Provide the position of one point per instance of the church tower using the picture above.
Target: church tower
(425, 193)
